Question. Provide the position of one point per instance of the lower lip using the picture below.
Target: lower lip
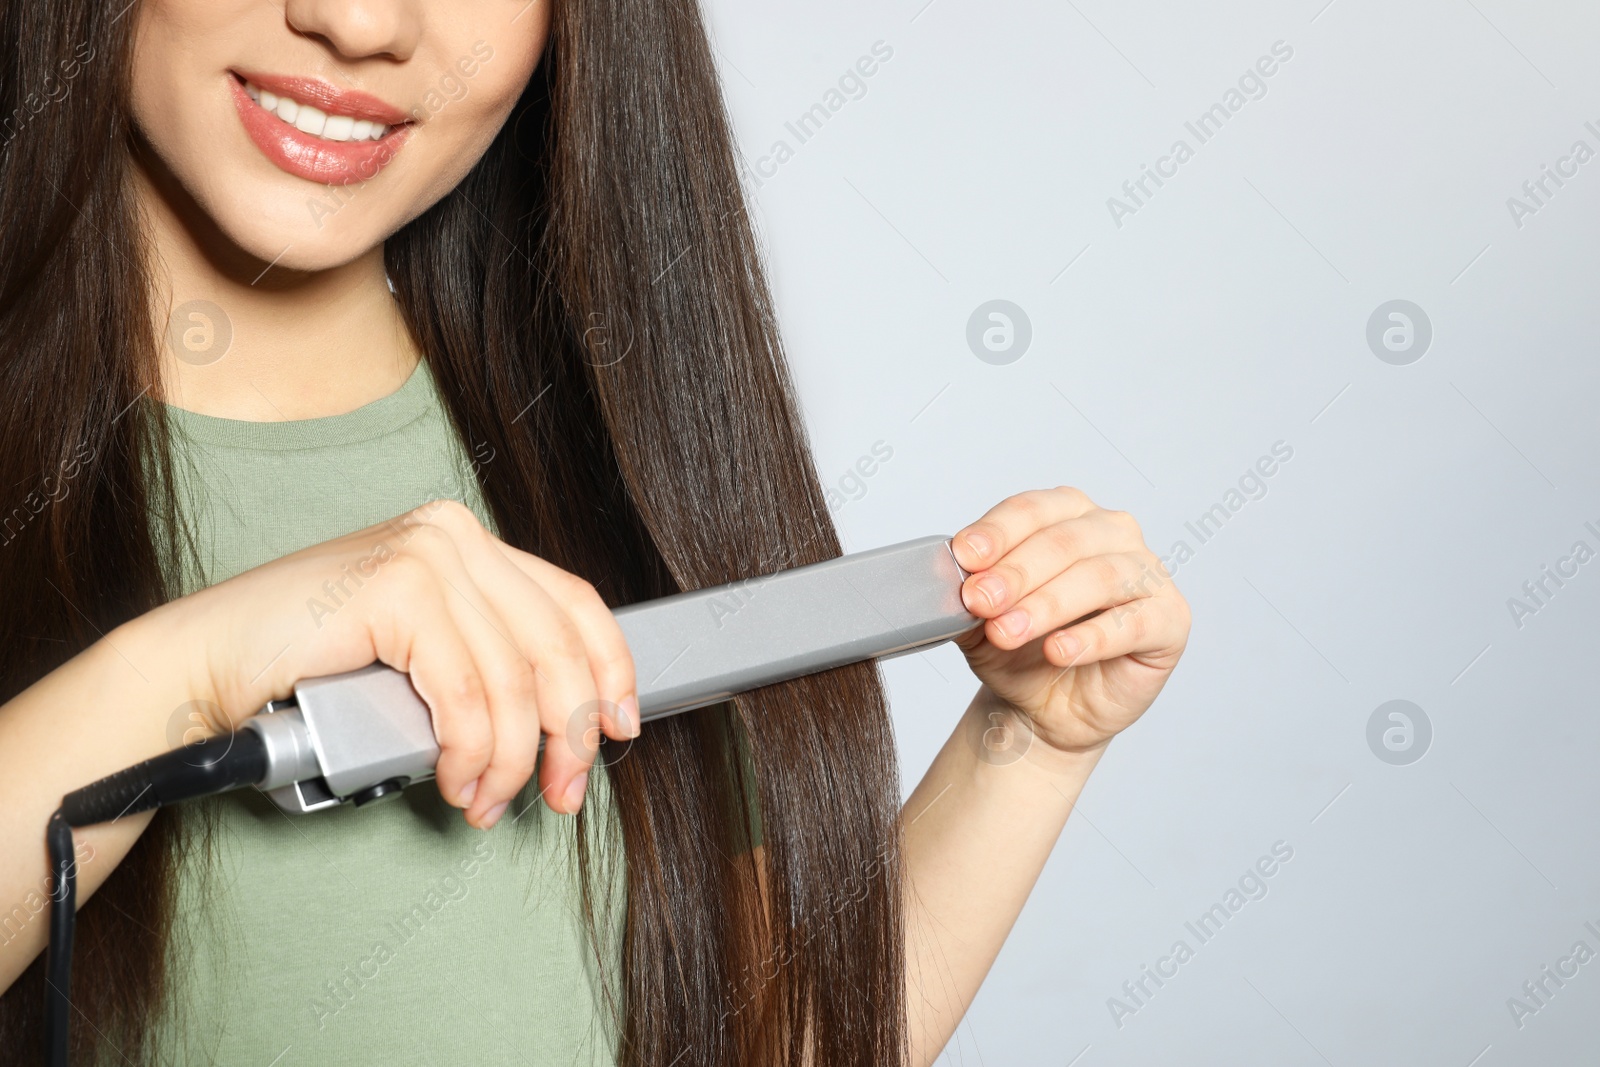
(313, 158)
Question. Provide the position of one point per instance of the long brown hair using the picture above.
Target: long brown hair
(600, 254)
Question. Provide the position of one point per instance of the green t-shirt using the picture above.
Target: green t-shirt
(394, 934)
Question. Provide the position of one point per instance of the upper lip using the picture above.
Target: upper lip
(328, 98)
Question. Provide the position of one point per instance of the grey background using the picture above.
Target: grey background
(1228, 313)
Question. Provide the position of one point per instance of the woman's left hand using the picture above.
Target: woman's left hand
(1082, 623)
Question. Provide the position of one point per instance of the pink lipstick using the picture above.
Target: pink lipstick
(317, 131)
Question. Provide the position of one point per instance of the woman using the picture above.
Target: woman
(342, 330)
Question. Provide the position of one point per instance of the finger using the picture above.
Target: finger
(514, 580)
(512, 693)
(1011, 521)
(566, 695)
(1042, 556)
(571, 672)
(610, 660)
(429, 646)
(1087, 586)
(567, 700)
(1153, 627)
(545, 638)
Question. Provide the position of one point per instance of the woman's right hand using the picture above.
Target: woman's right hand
(501, 645)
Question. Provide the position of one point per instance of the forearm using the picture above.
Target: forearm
(978, 829)
(103, 710)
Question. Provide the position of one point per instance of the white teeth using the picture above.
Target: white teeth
(313, 120)
(310, 120)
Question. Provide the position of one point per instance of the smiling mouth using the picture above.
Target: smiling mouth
(317, 131)
(312, 120)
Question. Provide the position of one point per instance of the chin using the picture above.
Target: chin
(284, 195)
(305, 136)
(310, 229)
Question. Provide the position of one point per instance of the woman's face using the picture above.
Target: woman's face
(310, 130)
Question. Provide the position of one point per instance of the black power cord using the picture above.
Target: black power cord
(201, 768)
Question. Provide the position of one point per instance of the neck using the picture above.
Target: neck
(244, 338)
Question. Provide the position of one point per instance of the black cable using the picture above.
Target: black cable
(205, 767)
(58, 956)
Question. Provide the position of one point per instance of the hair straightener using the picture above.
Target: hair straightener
(365, 735)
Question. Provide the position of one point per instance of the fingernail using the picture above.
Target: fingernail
(492, 816)
(976, 543)
(993, 589)
(1013, 623)
(628, 711)
(574, 794)
(464, 798)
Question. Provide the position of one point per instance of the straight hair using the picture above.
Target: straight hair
(599, 258)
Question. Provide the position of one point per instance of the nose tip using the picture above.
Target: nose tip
(358, 29)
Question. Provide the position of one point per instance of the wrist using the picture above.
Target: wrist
(1003, 734)
(170, 661)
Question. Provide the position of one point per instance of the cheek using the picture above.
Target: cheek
(480, 83)
(175, 66)
(470, 101)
